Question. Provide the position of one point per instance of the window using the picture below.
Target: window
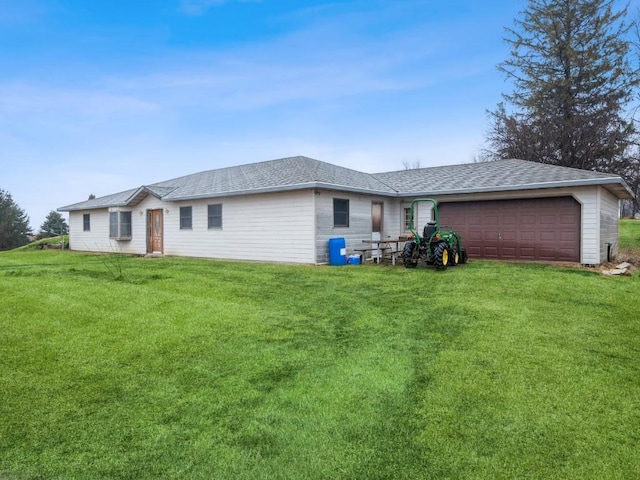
(113, 224)
(86, 222)
(120, 225)
(125, 224)
(407, 218)
(214, 215)
(186, 218)
(340, 212)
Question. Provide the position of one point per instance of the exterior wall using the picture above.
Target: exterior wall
(609, 216)
(296, 226)
(358, 232)
(97, 239)
(275, 227)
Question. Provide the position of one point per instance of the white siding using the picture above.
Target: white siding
(360, 225)
(296, 226)
(609, 216)
(97, 239)
(274, 227)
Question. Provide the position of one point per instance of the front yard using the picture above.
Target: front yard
(116, 367)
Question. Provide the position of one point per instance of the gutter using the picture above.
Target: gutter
(617, 181)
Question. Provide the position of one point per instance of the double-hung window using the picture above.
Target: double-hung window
(86, 222)
(186, 218)
(120, 225)
(214, 215)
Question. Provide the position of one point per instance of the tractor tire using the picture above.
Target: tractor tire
(407, 255)
(454, 257)
(441, 256)
(463, 256)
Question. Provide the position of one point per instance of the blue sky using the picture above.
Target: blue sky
(105, 95)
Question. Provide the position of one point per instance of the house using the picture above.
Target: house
(286, 210)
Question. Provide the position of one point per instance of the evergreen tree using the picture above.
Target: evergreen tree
(572, 81)
(54, 225)
(14, 223)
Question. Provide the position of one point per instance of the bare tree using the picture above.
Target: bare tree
(407, 165)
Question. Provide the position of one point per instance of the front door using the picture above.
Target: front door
(377, 221)
(154, 231)
(377, 214)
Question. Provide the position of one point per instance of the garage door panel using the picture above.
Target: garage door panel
(546, 236)
(528, 236)
(529, 229)
(548, 253)
(490, 252)
(474, 251)
(527, 253)
(566, 219)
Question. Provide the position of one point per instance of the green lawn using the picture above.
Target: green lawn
(629, 233)
(117, 367)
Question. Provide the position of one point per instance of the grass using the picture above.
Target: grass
(182, 368)
(629, 237)
(629, 233)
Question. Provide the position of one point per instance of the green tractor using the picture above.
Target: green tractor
(437, 246)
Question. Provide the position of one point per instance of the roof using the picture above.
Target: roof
(295, 173)
(500, 175)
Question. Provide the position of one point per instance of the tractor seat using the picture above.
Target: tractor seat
(429, 229)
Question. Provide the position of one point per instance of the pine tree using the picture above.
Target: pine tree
(14, 223)
(54, 225)
(572, 81)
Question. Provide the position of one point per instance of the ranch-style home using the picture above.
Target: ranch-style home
(287, 210)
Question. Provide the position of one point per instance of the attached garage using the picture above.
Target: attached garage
(519, 210)
(520, 229)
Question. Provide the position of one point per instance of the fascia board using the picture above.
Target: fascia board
(613, 181)
(282, 188)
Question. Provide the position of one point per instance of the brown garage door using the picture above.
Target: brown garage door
(531, 229)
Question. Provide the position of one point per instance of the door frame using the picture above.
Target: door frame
(151, 214)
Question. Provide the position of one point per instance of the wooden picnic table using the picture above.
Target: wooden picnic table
(380, 247)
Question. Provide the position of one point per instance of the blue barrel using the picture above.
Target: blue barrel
(337, 251)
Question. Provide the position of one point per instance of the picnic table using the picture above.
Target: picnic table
(379, 248)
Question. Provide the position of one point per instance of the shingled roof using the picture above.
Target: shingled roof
(295, 173)
(500, 175)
